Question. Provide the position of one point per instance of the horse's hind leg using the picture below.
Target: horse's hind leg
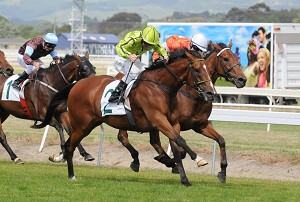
(63, 117)
(4, 143)
(210, 132)
(123, 138)
(83, 152)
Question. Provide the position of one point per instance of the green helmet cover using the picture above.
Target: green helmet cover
(150, 35)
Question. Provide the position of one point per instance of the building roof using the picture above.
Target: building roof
(96, 38)
(12, 41)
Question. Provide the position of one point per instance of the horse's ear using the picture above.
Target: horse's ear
(230, 43)
(87, 56)
(216, 46)
(77, 57)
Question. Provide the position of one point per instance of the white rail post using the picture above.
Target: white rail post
(44, 138)
(100, 145)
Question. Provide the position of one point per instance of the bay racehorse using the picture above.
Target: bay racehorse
(194, 111)
(5, 68)
(39, 92)
(152, 102)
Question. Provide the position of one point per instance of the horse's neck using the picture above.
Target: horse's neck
(57, 79)
(167, 78)
(212, 64)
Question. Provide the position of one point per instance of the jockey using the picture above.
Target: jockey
(198, 42)
(129, 49)
(30, 53)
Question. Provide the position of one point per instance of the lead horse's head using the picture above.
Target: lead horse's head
(229, 66)
(199, 78)
(5, 68)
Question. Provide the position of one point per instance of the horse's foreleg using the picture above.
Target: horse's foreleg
(177, 157)
(210, 132)
(162, 155)
(123, 138)
(163, 125)
(4, 143)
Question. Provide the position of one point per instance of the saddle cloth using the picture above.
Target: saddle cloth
(108, 108)
(11, 94)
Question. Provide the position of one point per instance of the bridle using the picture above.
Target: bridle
(197, 83)
(227, 71)
(80, 66)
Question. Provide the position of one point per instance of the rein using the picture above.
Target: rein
(196, 82)
(4, 72)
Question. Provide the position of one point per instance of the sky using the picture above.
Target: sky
(60, 10)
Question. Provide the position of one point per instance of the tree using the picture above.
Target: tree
(26, 31)
(7, 30)
(119, 22)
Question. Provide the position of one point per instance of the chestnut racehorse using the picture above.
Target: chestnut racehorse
(5, 68)
(194, 112)
(152, 102)
(39, 92)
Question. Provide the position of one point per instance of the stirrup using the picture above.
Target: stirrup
(16, 86)
(114, 97)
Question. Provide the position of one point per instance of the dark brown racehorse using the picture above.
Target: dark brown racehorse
(194, 111)
(5, 68)
(152, 102)
(40, 91)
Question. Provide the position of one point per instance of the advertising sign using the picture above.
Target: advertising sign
(251, 44)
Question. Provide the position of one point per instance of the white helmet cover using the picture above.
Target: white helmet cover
(200, 41)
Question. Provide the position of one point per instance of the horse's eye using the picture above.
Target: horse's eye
(197, 69)
(226, 59)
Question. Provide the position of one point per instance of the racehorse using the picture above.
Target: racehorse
(152, 102)
(39, 92)
(194, 112)
(5, 68)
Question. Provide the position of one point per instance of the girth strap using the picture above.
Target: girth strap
(131, 119)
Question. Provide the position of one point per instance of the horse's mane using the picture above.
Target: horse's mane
(222, 45)
(53, 67)
(68, 58)
(174, 55)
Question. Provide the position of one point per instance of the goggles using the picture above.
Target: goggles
(50, 45)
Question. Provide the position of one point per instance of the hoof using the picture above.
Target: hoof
(56, 158)
(89, 157)
(18, 161)
(222, 177)
(72, 178)
(202, 162)
(135, 167)
(175, 170)
(187, 184)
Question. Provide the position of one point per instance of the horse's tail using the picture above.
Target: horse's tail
(59, 98)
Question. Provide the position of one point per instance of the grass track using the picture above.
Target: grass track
(48, 182)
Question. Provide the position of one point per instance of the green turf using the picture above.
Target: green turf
(48, 182)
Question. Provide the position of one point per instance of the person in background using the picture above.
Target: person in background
(251, 71)
(263, 59)
(129, 49)
(237, 53)
(198, 42)
(31, 51)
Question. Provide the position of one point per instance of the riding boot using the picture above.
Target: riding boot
(16, 83)
(117, 92)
